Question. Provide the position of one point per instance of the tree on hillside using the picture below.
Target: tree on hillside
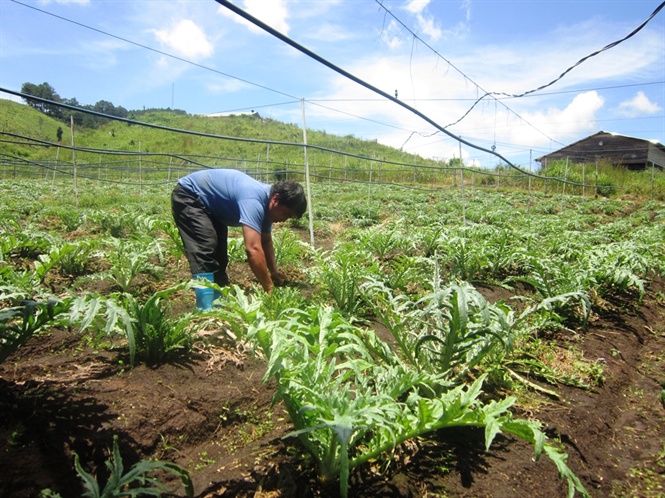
(106, 107)
(44, 91)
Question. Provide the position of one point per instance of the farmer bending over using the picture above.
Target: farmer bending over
(207, 202)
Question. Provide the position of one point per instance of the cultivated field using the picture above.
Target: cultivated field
(431, 343)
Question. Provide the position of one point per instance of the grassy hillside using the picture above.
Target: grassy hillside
(121, 136)
(23, 120)
(163, 151)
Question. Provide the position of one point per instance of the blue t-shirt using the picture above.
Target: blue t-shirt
(232, 197)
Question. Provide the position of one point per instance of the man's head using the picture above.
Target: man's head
(287, 200)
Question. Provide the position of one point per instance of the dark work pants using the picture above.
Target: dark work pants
(204, 238)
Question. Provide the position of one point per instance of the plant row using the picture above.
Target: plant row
(415, 263)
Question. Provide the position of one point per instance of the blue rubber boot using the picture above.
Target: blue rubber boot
(204, 295)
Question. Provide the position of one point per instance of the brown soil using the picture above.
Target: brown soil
(213, 415)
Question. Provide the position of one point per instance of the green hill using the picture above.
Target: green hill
(119, 136)
(34, 144)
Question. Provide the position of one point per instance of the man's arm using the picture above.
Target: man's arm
(269, 251)
(259, 260)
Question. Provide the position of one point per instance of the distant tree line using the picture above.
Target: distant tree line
(46, 91)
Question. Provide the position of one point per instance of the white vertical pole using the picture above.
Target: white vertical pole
(369, 185)
(596, 177)
(462, 185)
(267, 159)
(76, 187)
(140, 170)
(307, 183)
(583, 179)
(55, 168)
(530, 168)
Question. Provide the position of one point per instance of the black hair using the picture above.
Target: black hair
(291, 195)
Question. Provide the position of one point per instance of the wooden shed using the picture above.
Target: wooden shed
(632, 153)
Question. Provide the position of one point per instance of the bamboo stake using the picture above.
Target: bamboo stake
(307, 182)
(76, 187)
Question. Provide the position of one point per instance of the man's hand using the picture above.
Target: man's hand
(279, 278)
(256, 257)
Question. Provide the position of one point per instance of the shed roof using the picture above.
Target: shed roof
(622, 149)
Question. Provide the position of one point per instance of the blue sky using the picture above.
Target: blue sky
(206, 60)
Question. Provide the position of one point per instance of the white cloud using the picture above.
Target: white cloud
(390, 35)
(331, 33)
(444, 96)
(582, 109)
(228, 86)
(429, 27)
(466, 7)
(65, 2)
(273, 12)
(640, 105)
(539, 128)
(426, 22)
(416, 6)
(187, 39)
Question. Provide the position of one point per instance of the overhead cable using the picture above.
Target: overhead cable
(415, 36)
(191, 132)
(201, 66)
(160, 52)
(363, 83)
(582, 60)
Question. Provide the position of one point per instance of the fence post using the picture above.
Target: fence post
(140, 171)
(55, 168)
(76, 188)
(530, 168)
(583, 179)
(307, 179)
(596, 177)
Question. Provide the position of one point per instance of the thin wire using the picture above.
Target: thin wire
(295, 99)
(126, 40)
(361, 82)
(507, 95)
(344, 179)
(582, 60)
(380, 2)
(575, 90)
(176, 130)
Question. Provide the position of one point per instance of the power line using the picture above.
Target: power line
(201, 66)
(6, 159)
(389, 12)
(563, 74)
(146, 47)
(177, 130)
(577, 90)
(584, 59)
(360, 82)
